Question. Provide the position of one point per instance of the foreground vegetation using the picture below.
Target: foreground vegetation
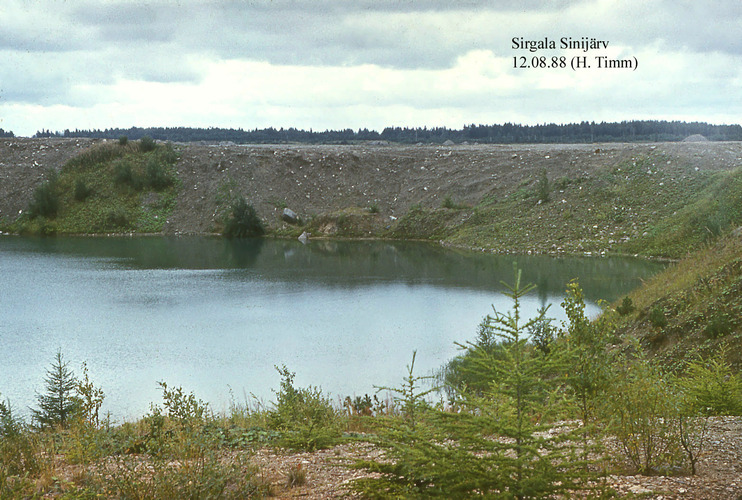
(529, 409)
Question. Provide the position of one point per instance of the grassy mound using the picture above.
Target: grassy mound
(111, 187)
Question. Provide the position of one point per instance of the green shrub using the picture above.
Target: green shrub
(719, 325)
(123, 173)
(156, 176)
(45, 201)
(657, 317)
(542, 333)
(147, 144)
(183, 408)
(712, 387)
(123, 140)
(626, 307)
(243, 221)
(373, 208)
(82, 191)
(461, 374)
(117, 218)
(304, 416)
(640, 409)
(167, 154)
(89, 397)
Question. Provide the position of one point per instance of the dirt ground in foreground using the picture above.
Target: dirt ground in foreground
(719, 473)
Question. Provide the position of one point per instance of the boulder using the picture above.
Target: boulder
(289, 216)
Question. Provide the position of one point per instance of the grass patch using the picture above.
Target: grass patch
(649, 205)
(707, 214)
(697, 303)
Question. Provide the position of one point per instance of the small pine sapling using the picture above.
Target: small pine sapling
(58, 405)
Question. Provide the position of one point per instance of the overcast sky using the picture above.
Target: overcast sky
(334, 64)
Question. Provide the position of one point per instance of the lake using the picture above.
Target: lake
(216, 316)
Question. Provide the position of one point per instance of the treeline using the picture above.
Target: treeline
(508, 133)
(3, 133)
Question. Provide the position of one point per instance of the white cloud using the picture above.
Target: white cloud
(337, 64)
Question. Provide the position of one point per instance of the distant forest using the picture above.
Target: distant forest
(3, 133)
(584, 132)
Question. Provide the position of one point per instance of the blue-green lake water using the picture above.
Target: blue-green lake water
(215, 316)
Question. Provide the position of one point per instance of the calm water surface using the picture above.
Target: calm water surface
(216, 316)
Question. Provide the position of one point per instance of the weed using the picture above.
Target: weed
(562, 183)
(304, 416)
(719, 325)
(296, 476)
(280, 204)
(360, 406)
(204, 477)
(19, 451)
(96, 155)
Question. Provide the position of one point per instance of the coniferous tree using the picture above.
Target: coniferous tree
(58, 404)
(530, 464)
(498, 443)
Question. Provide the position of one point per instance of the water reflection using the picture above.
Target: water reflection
(354, 263)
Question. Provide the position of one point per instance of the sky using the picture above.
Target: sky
(337, 64)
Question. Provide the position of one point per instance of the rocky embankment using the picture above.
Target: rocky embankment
(317, 180)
